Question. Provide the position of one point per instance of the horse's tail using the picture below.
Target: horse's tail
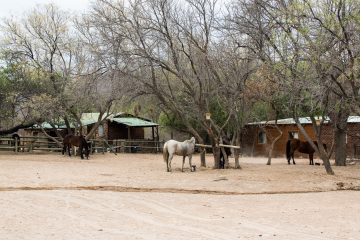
(165, 153)
(288, 150)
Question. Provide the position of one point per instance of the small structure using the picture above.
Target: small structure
(118, 132)
(258, 136)
(37, 130)
(121, 126)
(124, 131)
(116, 126)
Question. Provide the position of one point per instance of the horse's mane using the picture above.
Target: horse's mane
(191, 140)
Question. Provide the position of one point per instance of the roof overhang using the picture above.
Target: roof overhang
(302, 120)
(134, 122)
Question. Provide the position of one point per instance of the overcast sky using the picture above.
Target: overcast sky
(17, 7)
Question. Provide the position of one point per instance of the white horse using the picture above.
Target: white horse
(185, 148)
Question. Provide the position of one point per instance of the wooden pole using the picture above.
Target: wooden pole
(16, 145)
(220, 145)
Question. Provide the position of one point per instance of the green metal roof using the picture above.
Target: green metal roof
(134, 122)
(91, 118)
(46, 125)
(303, 120)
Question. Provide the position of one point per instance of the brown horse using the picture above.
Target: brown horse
(304, 147)
(226, 141)
(78, 141)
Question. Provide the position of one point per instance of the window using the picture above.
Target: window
(262, 137)
(293, 134)
(101, 131)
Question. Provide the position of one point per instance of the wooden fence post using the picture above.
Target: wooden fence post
(16, 145)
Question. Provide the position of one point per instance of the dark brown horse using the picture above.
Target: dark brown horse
(78, 141)
(304, 147)
(226, 141)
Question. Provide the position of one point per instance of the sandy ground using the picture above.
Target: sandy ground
(131, 196)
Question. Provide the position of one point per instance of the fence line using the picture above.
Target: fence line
(32, 144)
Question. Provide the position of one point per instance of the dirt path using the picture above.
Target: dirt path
(133, 197)
(115, 215)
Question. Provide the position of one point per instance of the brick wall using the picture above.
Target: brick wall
(353, 138)
(251, 146)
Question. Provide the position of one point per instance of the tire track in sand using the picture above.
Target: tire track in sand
(170, 190)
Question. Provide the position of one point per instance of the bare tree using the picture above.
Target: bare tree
(170, 47)
(285, 38)
(39, 44)
(105, 75)
(333, 44)
(78, 71)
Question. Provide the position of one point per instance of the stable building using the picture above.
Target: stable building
(258, 136)
(121, 126)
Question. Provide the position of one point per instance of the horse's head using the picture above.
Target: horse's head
(226, 139)
(85, 145)
(325, 147)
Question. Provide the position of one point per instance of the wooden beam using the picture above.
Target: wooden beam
(220, 145)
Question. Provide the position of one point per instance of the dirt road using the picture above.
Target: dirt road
(132, 197)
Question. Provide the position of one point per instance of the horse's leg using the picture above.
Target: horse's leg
(81, 151)
(292, 155)
(64, 149)
(169, 162)
(311, 158)
(182, 167)
(68, 147)
(190, 157)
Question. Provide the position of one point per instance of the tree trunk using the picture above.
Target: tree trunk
(320, 149)
(273, 145)
(340, 150)
(201, 141)
(68, 127)
(215, 148)
(237, 151)
(202, 157)
(339, 123)
(59, 143)
(326, 162)
(216, 153)
(17, 127)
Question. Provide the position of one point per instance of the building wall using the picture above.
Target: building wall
(353, 138)
(120, 131)
(252, 147)
(113, 130)
(116, 131)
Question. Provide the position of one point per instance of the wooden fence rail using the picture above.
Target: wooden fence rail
(35, 144)
(220, 145)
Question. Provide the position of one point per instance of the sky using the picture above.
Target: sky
(15, 8)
